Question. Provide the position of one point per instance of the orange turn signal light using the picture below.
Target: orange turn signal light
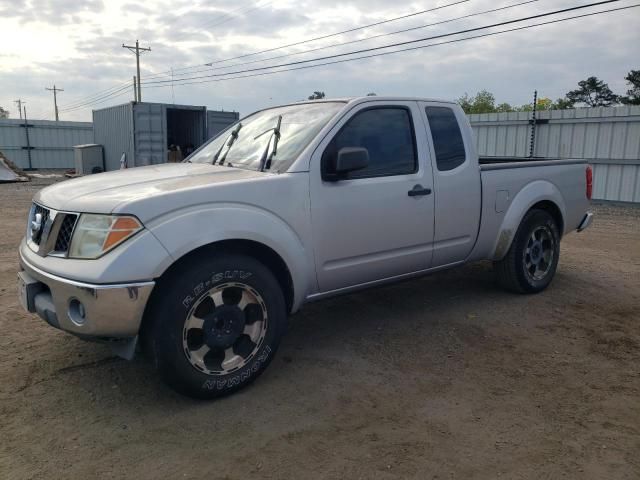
(121, 228)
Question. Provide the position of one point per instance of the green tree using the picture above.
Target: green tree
(504, 107)
(633, 94)
(316, 95)
(593, 93)
(527, 107)
(371, 94)
(482, 102)
(4, 113)
(544, 103)
(562, 104)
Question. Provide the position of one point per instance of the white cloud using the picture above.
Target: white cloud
(77, 45)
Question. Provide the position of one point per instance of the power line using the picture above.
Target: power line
(309, 40)
(407, 49)
(98, 99)
(96, 102)
(397, 44)
(375, 24)
(101, 99)
(137, 49)
(116, 90)
(230, 15)
(179, 18)
(360, 40)
(191, 82)
(55, 98)
(99, 93)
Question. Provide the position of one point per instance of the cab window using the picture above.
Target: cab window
(447, 138)
(388, 135)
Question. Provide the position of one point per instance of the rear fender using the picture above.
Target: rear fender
(533, 193)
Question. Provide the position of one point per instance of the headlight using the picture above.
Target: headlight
(95, 235)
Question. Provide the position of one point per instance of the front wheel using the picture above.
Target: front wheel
(530, 264)
(215, 324)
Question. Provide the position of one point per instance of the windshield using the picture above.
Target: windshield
(299, 124)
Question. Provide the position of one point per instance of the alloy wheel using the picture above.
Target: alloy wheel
(539, 252)
(225, 328)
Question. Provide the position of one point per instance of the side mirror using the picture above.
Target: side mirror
(350, 159)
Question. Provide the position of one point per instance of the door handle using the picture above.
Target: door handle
(419, 190)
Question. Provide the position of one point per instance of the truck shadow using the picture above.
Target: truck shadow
(363, 355)
(419, 320)
(408, 312)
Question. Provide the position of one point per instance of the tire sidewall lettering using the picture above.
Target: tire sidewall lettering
(190, 299)
(249, 370)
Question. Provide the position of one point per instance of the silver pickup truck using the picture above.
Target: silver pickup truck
(201, 262)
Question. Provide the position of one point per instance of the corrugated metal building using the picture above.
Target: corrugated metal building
(608, 137)
(51, 142)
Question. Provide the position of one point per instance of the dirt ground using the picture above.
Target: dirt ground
(442, 377)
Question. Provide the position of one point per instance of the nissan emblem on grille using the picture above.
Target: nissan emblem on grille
(36, 226)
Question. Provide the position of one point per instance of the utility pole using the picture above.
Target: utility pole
(26, 132)
(19, 102)
(55, 98)
(135, 92)
(137, 49)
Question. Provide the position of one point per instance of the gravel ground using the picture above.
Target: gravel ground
(441, 377)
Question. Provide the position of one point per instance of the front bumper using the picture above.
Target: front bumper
(84, 309)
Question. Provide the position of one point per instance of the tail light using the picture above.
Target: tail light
(589, 174)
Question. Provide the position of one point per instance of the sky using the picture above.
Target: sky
(77, 46)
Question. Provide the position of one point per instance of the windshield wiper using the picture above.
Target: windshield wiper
(265, 160)
(233, 137)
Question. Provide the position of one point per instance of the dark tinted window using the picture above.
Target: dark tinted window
(447, 139)
(387, 133)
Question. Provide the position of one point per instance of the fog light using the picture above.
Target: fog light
(77, 312)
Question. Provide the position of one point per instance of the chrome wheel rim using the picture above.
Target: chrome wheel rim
(539, 253)
(225, 328)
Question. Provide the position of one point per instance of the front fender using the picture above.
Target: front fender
(534, 192)
(186, 230)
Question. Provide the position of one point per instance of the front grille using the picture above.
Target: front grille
(36, 235)
(64, 234)
(51, 235)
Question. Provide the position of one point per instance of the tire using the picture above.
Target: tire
(530, 264)
(206, 314)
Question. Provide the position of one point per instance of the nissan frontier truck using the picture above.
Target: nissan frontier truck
(201, 262)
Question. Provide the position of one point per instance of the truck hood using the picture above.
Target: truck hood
(112, 191)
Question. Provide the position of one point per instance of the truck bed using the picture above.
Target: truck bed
(505, 178)
(500, 163)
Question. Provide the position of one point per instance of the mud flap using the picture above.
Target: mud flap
(125, 348)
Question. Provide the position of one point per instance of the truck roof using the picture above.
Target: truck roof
(387, 98)
(397, 98)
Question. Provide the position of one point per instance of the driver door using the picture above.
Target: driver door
(368, 225)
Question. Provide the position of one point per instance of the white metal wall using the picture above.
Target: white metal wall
(52, 142)
(608, 137)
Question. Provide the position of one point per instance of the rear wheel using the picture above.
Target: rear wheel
(530, 264)
(215, 325)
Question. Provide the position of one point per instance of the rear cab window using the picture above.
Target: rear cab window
(387, 133)
(447, 138)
